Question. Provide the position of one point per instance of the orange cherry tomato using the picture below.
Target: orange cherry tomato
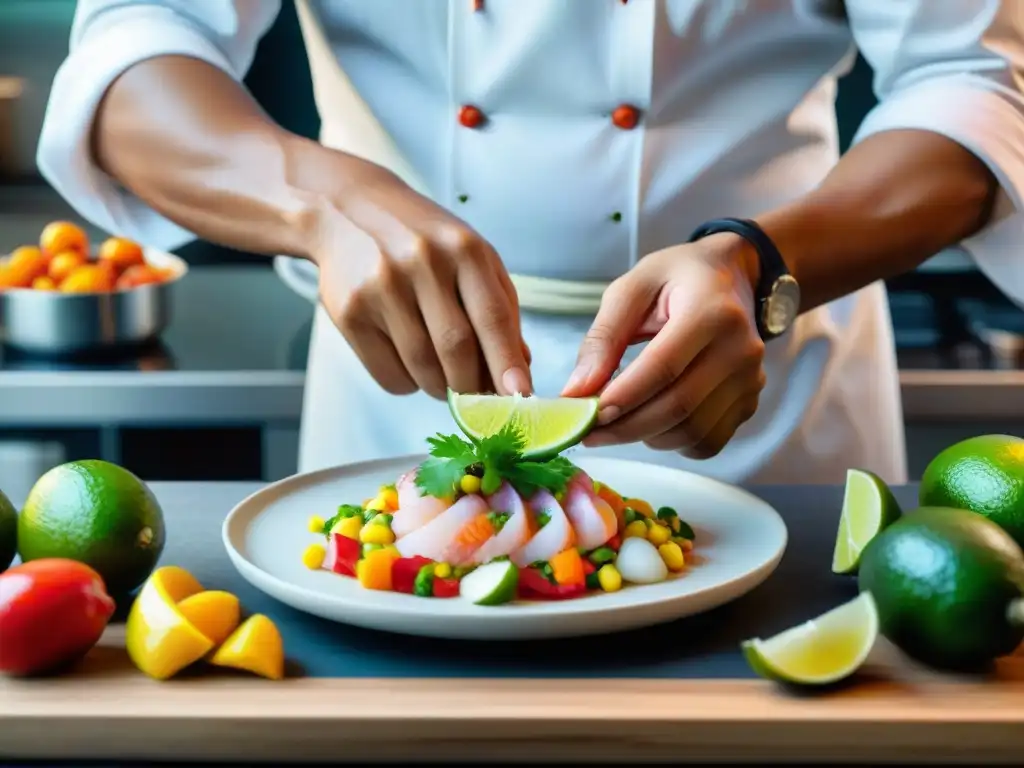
(121, 253)
(88, 278)
(20, 272)
(63, 236)
(25, 253)
(140, 274)
(44, 283)
(64, 263)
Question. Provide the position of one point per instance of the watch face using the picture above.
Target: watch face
(781, 306)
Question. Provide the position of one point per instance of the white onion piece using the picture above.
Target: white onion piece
(640, 563)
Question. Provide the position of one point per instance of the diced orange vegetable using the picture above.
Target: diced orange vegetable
(475, 532)
(567, 567)
(374, 570)
(615, 501)
(640, 506)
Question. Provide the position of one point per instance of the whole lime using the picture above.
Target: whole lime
(948, 585)
(8, 532)
(983, 474)
(99, 514)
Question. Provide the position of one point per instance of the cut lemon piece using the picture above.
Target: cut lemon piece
(822, 651)
(256, 646)
(868, 509)
(549, 425)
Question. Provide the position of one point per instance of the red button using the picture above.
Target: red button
(626, 117)
(470, 116)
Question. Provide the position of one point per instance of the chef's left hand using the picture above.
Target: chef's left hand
(700, 376)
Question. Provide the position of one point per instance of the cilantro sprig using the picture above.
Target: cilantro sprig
(500, 455)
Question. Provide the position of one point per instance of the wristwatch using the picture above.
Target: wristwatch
(777, 293)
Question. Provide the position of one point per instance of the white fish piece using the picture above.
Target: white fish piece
(414, 511)
(592, 517)
(517, 529)
(555, 536)
(437, 539)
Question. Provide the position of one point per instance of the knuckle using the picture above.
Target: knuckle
(418, 249)
(456, 342)
(683, 402)
(455, 237)
(732, 316)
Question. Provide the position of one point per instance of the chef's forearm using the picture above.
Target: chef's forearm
(892, 202)
(193, 144)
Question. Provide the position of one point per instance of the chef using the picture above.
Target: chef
(641, 199)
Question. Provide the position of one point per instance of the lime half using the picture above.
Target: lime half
(822, 651)
(549, 425)
(868, 509)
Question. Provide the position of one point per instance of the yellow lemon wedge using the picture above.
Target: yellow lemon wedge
(214, 613)
(256, 646)
(160, 640)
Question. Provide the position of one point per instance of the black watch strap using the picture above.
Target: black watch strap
(772, 267)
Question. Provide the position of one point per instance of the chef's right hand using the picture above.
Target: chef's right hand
(422, 299)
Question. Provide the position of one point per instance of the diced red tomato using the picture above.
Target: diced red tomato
(448, 587)
(534, 585)
(342, 555)
(615, 542)
(403, 573)
(588, 567)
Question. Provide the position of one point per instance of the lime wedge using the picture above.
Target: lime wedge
(822, 651)
(868, 508)
(549, 425)
(491, 584)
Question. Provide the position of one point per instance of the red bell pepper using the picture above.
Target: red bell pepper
(404, 571)
(446, 587)
(342, 555)
(615, 542)
(588, 567)
(534, 585)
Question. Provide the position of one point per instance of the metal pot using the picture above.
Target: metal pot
(53, 323)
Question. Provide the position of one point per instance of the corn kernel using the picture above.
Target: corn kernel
(377, 504)
(316, 524)
(470, 484)
(371, 533)
(393, 550)
(390, 498)
(313, 557)
(658, 535)
(636, 529)
(609, 578)
(672, 554)
(348, 527)
(442, 570)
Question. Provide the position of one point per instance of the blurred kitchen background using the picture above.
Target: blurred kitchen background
(220, 396)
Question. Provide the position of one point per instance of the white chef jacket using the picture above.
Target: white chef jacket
(734, 100)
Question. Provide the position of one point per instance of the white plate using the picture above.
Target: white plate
(740, 540)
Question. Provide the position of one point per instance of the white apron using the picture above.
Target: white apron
(832, 399)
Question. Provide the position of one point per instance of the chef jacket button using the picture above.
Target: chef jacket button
(626, 117)
(471, 116)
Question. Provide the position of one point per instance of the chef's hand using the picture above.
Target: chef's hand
(423, 300)
(700, 376)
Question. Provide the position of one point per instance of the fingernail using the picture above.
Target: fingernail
(515, 380)
(580, 375)
(608, 414)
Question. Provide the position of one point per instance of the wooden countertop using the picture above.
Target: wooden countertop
(107, 710)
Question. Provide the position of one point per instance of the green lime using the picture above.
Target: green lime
(97, 513)
(949, 586)
(549, 425)
(822, 651)
(8, 532)
(983, 474)
(491, 584)
(868, 508)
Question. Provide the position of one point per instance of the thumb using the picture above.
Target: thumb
(624, 307)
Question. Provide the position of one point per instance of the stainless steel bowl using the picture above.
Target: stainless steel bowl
(52, 323)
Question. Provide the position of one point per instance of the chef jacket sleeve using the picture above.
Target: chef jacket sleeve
(107, 38)
(954, 67)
